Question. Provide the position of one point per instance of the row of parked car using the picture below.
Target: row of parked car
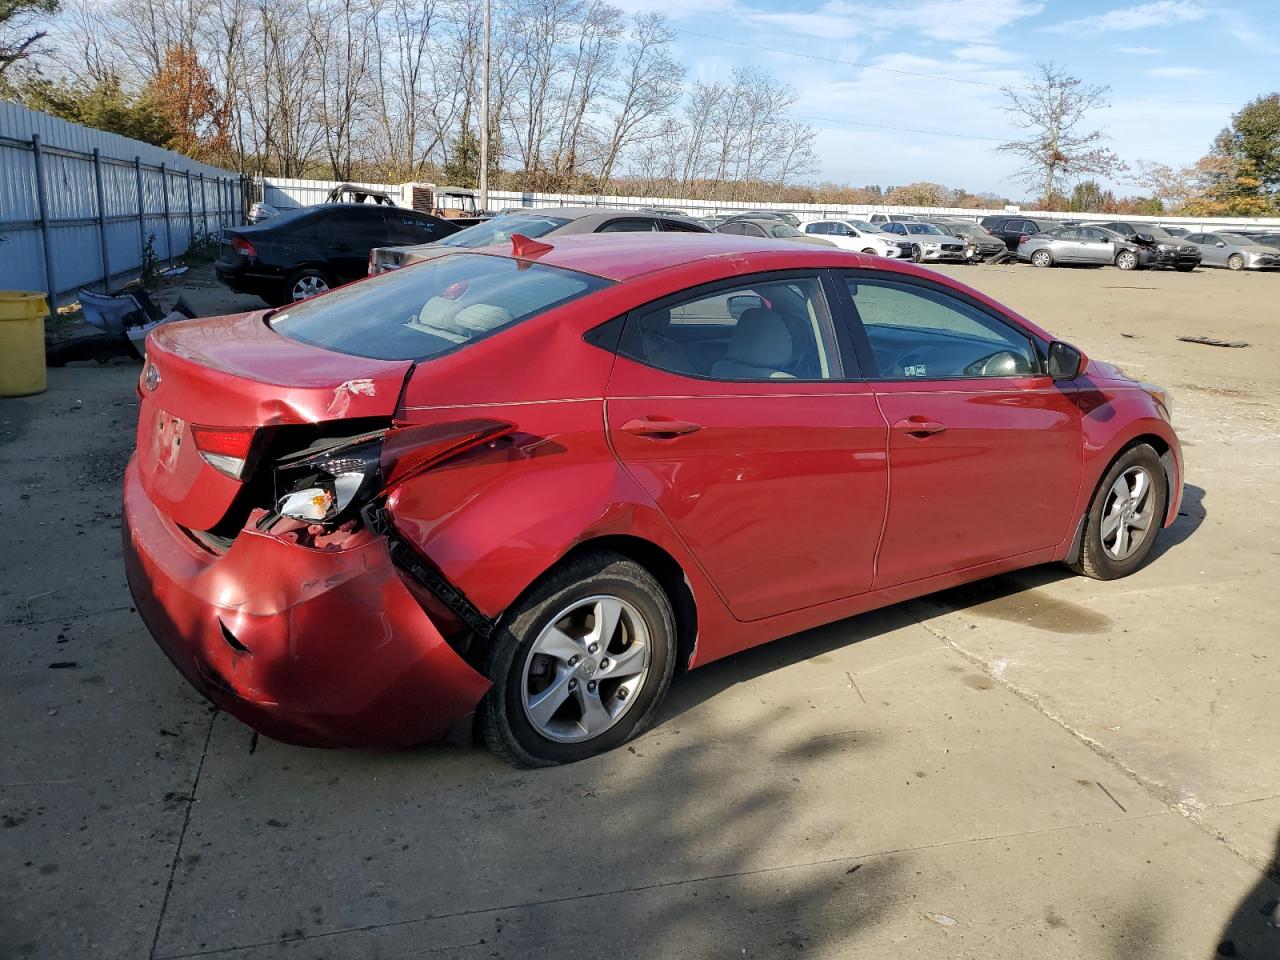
(294, 255)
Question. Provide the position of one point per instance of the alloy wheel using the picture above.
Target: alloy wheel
(1127, 260)
(310, 286)
(1235, 262)
(1041, 258)
(1127, 514)
(585, 668)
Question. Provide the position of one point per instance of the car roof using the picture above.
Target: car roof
(625, 256)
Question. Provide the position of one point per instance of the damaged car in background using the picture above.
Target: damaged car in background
(491, 489)
(1158, 247)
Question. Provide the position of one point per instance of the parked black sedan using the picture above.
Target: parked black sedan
(1011, 229)
(302, 253)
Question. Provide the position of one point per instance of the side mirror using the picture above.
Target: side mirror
(1220, 243)
(1065, 361)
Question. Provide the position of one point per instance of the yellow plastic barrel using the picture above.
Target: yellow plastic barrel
(22, 316)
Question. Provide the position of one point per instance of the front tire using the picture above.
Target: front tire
(870, 253)
(581, 665)
(1235, 262)
(1127, 260)
(1042, 258)
(1125, 516)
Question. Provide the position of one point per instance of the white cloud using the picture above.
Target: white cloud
(1161, 13)
(1141, 51)
(987, 53)
(1178, 72)
(955, 21)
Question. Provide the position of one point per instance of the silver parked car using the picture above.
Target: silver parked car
(931, 242)
(1234, 251)
(1082, 245)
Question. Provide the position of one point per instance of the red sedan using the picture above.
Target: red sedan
(522, 487)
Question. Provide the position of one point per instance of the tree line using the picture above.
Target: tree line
(584, 99)
(582, 96)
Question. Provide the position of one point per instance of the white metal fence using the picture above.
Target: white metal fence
(78, 206)
(288, 194)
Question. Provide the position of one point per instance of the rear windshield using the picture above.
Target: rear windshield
(500, 229)
(430, 308)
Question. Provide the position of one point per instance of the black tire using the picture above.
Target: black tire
(506, 728)
(300, 280)
(1185, 268)
(1095, 560)
(1127, 260)
(1235, 262)
(870, 253)
(101, 347)
(1042, 258)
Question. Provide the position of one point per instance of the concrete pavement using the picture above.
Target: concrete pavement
(1037, 765)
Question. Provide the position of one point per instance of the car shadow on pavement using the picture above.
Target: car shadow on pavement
(1191, 515)
(1253, 932)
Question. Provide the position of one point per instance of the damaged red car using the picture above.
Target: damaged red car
(516, 490)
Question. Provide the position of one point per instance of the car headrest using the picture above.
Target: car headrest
(438, 311)
(760, 339)
(482, 317)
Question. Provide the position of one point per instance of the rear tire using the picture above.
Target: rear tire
(306, 283)
(554, 669)
(1042, 258)
(1125, 516)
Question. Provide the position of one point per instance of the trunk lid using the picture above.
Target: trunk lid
(236, 375)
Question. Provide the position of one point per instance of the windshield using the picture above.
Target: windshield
(431, 308)
(1237, 240)
(924, 228)
(969, 230)
(1160, 233)
(783, 230)
(500, 229)
(864, 227)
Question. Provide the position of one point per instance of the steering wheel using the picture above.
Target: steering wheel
(1002, 363)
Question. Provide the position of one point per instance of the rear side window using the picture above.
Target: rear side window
(431, 308)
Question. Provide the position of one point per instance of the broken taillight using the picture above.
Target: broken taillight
(243, 247)
(226, 449)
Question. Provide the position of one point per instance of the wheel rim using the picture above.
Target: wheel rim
(585, 669)
(1236, 262)
(1127, 260)
(1127, 514)
(1040, 259)
(305, 287)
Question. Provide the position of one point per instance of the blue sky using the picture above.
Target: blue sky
(1177, 69)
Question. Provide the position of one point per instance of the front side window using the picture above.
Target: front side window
(765, 330)
(917, 332)
(431, 308)
(819, 228)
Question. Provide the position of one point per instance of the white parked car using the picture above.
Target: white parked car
(858, 235)
(882, 218)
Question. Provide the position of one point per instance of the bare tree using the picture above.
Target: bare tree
(649, 85)
(21, 23)
(1052, 108)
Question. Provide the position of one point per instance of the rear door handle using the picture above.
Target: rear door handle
(659, 428)
(919, 426)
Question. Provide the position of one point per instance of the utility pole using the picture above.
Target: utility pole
(484, 115)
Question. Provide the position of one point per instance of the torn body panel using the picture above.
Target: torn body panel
(322, 647)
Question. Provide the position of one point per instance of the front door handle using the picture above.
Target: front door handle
(659, 428)
(919, 426)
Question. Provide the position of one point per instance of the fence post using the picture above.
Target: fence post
(102, 220)
(41, 198)
(168, 230)
(204, 206)
(191, 211)
(142, 211)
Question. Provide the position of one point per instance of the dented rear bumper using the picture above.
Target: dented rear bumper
(308, 646)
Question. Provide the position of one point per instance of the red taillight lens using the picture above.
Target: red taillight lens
(1024, 238)
(226, 449)
(243, 247)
